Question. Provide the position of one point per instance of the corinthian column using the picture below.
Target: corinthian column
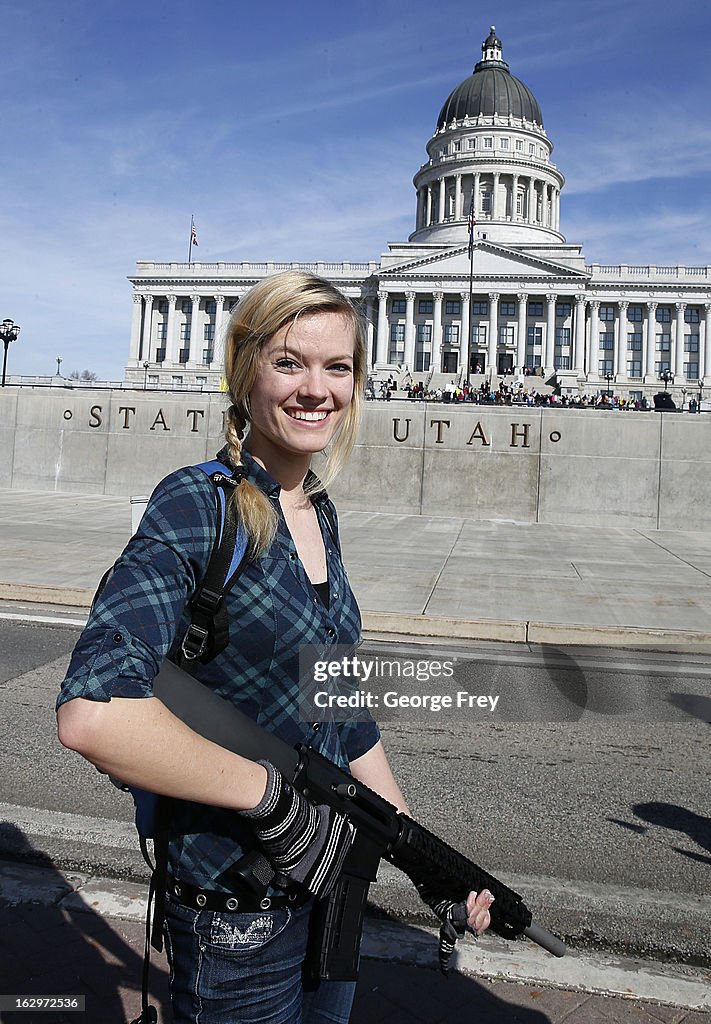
(594, 340)
(549, 357)
(381, 354)
(466, 331)
(579, 340)
(172, 343)
(522, 299)
(650, 343)
(436, 358)
(409, 357)
(705, 347)
(678, 341)
(133, 354)
(620, 366)
(493, 333)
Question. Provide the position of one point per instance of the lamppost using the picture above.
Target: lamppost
(59, 363)
(8, 332)
(683, 399)
(145, 374)
(701, 393)
(668, 377)
(608, 377)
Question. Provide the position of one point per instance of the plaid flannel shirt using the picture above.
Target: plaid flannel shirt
(273, 609)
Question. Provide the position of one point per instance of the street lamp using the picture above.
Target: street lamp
(608, 377)
(683, 399)
(59, 363)
(668, 377)
(701, 393)
(145, 374)
(8, 332)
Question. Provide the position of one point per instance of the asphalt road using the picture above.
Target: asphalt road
(586, 787)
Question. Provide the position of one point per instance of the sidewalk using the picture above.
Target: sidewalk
(420, 576)
(60, 941)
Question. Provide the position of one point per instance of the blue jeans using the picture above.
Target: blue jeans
(232, 968)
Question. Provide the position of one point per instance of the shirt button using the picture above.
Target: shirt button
(330, 632)
(118, 638)
(292, 556)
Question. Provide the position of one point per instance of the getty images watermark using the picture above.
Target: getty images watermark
(339, 684)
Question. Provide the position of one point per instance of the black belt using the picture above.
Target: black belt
(249, 903)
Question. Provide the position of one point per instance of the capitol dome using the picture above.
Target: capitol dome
(490, 89)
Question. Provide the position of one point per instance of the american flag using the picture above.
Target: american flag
(472, 225)
(193, 235)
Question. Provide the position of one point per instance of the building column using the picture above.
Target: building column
(594, 339)
(495, 196)
(421, 202)
(521, 339)
(428, 215)
(557, 210)
(440, 206)
(409, 357)
(493, 339)
(466, 331)
(369, 332)
(133, 351)
(476, 186)
(436, 355)
(514, 195)
(620, 366)
(218, 341)
(678, 342)
(531, 212)
(172, 343)
(549, 344)
(145, 347)
(382, 354)
(458, 197)
(579, 336)
(195, 344)
(705, 343)
(650, 342)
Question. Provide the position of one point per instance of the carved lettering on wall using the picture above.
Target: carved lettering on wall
(478, 432)
(126, 410)
(95, 418)
(441, 424)
(519, 430)
(160, 418)
(396, 425)
(195, 413)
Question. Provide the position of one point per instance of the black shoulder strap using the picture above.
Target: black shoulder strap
(208, 633)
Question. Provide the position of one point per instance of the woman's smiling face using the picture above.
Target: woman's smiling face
(304, 386)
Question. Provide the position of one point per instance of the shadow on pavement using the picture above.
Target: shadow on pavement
(679, 819)
(51, 951)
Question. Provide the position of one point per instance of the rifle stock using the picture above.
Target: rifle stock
(381, 831)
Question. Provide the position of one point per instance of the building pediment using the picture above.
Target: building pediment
(490, 261)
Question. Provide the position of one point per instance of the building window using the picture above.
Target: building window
(186, 306)
(504, 143)
(211, 307)
(163, 307)
(209, 332)
(604, 366)
(635, 314)
(664, 314)
(451, 334)
(471, 143)
(488, 143)
(561, 362)
(507, 308)
(533, 360)
(607, 340)
(479, 336)
(398, 306)
(661, 365)
(506, 335)
(207, 356)
(535, 309)
(519, 145)
(691, 315)
(636, 396)
(691, 343)
(663, 343)
(634, 342)
(453, 307)
(183, 355)
(152, 378)
(456, 147)
(606, 313)
(160, 355)
(185, 332)
(397, 334)
(486, 202)
(534, 336)
(691, 371)
(161, 332)
(422, 361)
(562, 336)
(562, 309)
(520, 203)
(177, 378)
(531, 149)
(202, 381)
(424, 334)
(634, 368)
(425, 306)
(480, 308)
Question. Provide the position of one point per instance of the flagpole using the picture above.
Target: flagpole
(472, 222)
(192, 233)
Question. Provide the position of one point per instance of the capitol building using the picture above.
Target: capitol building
(523, 299)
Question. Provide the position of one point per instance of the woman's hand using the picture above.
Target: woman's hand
(478, 917)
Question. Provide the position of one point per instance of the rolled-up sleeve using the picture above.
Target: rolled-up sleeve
(133, 623)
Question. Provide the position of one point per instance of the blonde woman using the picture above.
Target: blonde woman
(295, 367)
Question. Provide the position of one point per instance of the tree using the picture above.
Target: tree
(84, 375)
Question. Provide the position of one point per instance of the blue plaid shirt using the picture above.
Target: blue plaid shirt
(273, 609)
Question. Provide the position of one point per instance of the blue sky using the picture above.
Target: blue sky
(293, 130)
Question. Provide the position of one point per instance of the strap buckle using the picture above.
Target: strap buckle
(194, 642)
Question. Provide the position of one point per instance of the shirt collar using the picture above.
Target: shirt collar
(256, 474)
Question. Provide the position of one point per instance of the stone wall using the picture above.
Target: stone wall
(530, 465)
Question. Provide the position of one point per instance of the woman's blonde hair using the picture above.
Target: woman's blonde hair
(265, 309)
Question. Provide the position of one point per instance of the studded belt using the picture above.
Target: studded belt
(249, 903)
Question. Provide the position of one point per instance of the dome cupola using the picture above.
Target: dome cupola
(491, 90)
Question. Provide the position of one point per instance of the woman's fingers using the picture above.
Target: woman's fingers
(478, 918)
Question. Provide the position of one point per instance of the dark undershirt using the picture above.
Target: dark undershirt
(322, 591)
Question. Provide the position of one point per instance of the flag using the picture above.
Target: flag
(193, 236)
(472, 225)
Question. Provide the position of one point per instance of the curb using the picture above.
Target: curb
(389, 625)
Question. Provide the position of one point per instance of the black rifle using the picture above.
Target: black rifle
(381, 831)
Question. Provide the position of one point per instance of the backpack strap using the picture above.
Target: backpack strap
(208, 633)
